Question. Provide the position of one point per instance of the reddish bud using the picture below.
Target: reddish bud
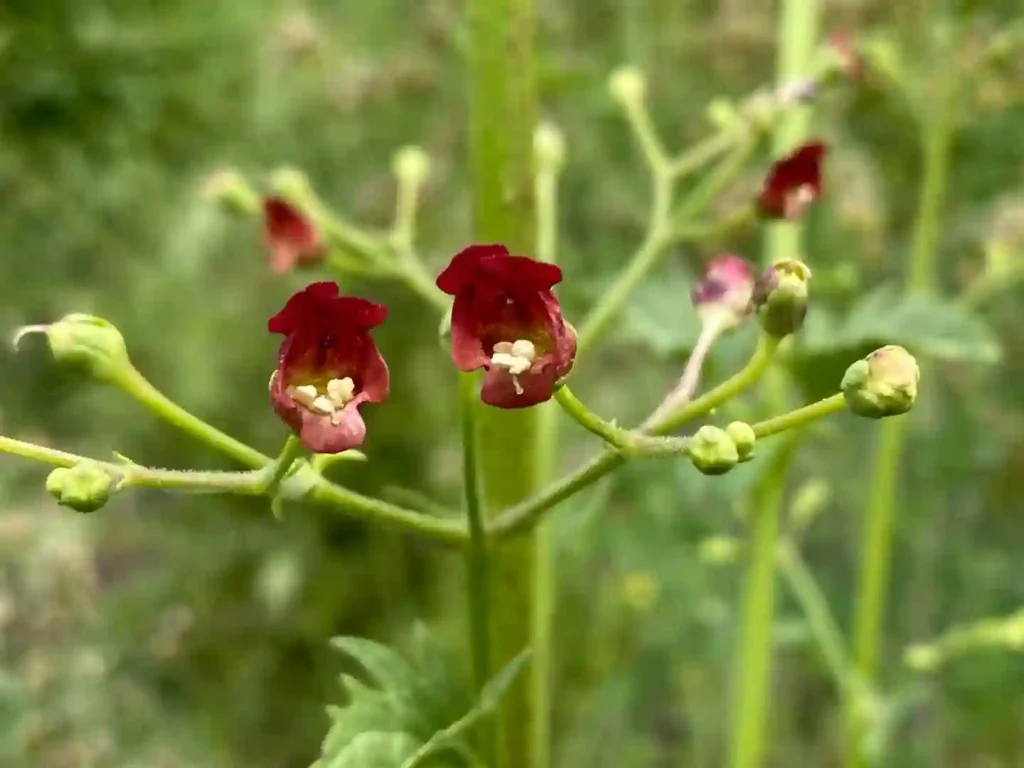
(723, 294)
(293, 240)
(328, 366)
(506, 320)
(793, 183)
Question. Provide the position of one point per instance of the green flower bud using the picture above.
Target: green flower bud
(85, 487)
(548, 147)
(411, 165)
(87, 341)
(628, 86)
(719, 550)
(291, 184)
(712, 451)
(882, 384)
(742, 435)
(231, 190)
(780, 296)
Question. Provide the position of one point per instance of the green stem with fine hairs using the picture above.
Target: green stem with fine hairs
(799, 25)
(502, 112)
(877, 541)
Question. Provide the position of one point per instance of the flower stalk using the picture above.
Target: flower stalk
(799, 24)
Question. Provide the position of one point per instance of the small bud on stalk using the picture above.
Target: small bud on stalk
(86, 341)
(232, 191)
(84, 487)
(882, 384)
(743, 437)
(722, 296)
(411, 165)
(548, 147)
(712, 451)
(780, 296)
(628, 86)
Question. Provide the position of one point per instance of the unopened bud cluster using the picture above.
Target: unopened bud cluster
(85, 487)
(714, 451)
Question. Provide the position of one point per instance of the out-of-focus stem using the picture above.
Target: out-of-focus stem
(799, 25)
(876, 548)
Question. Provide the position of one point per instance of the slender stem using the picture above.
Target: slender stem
(289, 454)
(546, 458)
(525, 515)
(799, 23)
(877, 542)
(756, 646)
(303, 484)
(690, 380)
(477, 576)
(502, 109)
(800, 417)
(139, 388)
(823, 625)
(638, 267)
(700, 154)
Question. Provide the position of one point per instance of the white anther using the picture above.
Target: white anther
(304, 395)
(340, 391)
(322, 405)
(504, 348)
(524, 348)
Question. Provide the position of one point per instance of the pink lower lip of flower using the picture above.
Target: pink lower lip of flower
(725, 290)
(506, 320)
(328, 367)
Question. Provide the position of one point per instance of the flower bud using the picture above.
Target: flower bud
(291, 184)
(882, 384)
(231, 190)
(549, 147)
(723, 294)
(85, 487)
(712, 451)
(86, 341)
(743, 437)
(411, 165)
(719, 550)
(780, 296)
(628, 86)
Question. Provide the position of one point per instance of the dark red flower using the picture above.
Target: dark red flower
(723, 295)
(327, 366)
(292, 238)
(793, 183)
(506, 320)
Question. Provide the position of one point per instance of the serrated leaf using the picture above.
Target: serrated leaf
(375, 750)
(927, 325)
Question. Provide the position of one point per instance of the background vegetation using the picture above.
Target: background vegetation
(185, 631)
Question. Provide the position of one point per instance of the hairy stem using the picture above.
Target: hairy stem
(502, 122)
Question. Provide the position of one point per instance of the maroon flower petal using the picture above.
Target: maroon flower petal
(327, 342)
(291, 237)
(793, 183)
(492, 264)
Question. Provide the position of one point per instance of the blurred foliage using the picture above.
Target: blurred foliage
(174, 632)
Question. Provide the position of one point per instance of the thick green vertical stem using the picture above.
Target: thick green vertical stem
(798, 35)
(880, 512)
(502, 119)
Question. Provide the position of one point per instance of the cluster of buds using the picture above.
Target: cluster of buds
(714, 451)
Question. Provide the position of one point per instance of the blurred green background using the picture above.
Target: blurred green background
(171, 630)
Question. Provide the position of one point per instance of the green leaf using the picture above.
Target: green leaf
(926, 325)
(659, 316)
(409, 714)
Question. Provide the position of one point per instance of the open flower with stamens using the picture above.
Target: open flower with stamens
(292, 238)
(506, 320)
(793, 183)
(328, 366)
